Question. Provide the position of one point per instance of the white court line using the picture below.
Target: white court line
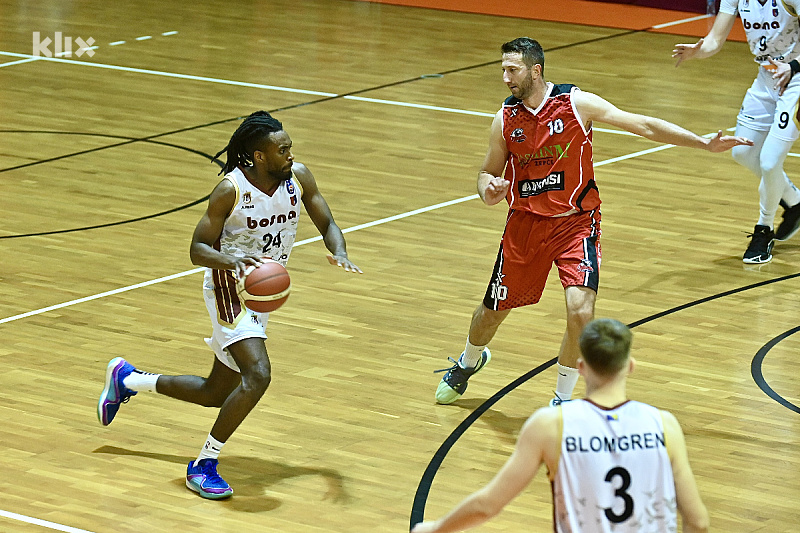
(169, 74)
(276, 88)
(43, 523)
(28, 60)
(201, 269)
(682, 21)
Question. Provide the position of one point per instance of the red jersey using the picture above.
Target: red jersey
(550, 155)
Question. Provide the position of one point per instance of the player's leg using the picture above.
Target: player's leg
(783, 133)
(579, 271)
(251, 358)
(475, 356)
(208, 392)
(580, 311)
(256, 374)
(755, 119)
(518, 279)
(123, 381)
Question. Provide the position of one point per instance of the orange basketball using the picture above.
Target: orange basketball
(265, 288)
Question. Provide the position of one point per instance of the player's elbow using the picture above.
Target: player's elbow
(697, 522)
(485, 507)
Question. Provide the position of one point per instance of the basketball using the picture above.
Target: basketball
(265, 288)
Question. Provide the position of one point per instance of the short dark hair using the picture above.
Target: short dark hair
(606, 345)
(247, 138)
(531, 50)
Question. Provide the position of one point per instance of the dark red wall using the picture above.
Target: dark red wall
(696, 6)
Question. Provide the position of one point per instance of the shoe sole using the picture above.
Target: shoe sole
(445, 394)
(756, 261)
(208, 495)
(111, 381)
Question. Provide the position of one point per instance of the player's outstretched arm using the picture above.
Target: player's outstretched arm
(538, 434)
(594, 108)
(492, 186)
(710, 44)
(690, 505)
(321, 216)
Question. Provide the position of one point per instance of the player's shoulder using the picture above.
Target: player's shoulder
(563, 88)
(544, 417)
(792, 6)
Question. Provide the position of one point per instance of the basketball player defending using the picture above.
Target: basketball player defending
(252, 214)
(614, 464)
(769, 111)
(542, 138)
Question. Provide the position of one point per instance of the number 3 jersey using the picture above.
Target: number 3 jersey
(260, 224)
(614, 474)
(550, 155)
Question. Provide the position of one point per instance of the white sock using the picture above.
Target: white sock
(471, 356)
(141, 381)
(567, 378)
(210, 450)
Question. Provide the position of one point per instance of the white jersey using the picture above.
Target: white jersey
(259, 224)
(772, 29)
(614, 474)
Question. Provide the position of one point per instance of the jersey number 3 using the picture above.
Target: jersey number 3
(625, 478)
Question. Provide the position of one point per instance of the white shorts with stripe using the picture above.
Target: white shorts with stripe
(247, 324)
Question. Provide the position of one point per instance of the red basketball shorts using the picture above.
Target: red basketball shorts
(531, 244)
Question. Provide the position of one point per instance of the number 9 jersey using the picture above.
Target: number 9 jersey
(614, 474)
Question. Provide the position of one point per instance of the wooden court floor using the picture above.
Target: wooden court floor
(105, 164)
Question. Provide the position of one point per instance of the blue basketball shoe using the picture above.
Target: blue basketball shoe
(204, 480)
(115, 393)
(454, 382)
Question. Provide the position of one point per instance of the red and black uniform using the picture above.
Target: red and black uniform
(554, 214)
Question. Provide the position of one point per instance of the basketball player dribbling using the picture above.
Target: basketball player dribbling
(252, 214)
(769, 111)
(614, 464)
(542, 139)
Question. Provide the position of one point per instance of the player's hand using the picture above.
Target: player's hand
(496, 190)
(344, 262)
(685, 52)
(720, 143)
(782, 75)
(243, 263)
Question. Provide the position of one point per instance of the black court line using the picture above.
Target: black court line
(120, 222)
(421, 496)
(131, 140)
(758, 376)
(151, 138)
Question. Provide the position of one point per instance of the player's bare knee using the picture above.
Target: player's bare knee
(257, 380)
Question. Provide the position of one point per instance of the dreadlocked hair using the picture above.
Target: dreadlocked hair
(247, 138)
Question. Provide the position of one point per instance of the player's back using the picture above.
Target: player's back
(613, 474)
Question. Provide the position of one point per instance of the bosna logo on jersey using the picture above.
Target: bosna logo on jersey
(552, 182)
(254, 223)
(518, 135)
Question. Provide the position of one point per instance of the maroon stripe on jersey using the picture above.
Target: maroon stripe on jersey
(228, 304)
(219, 296)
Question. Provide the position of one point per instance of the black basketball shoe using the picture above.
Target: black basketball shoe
(760, 249)
(790, 223)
